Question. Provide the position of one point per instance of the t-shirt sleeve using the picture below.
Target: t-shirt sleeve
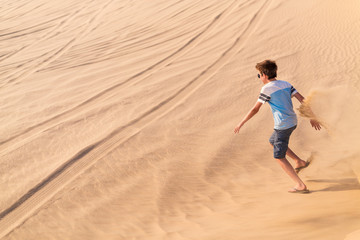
(293, 91)
(263, 98)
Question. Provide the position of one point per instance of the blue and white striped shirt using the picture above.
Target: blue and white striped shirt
(278, 94)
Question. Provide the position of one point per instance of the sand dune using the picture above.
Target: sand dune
(117, 119)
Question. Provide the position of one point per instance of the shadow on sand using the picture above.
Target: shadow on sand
(343, 184)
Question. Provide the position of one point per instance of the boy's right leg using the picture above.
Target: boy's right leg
(298, 161)
(280, 140)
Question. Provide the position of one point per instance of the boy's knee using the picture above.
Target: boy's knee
(281, 159)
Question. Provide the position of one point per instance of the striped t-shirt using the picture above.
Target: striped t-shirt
(278, 94)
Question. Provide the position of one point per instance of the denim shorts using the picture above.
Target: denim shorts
(280, 140)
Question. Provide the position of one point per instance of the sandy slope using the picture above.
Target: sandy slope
(117, 119)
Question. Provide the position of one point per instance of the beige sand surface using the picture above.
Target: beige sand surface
(117, 119)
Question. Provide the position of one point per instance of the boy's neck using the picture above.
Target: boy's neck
(266, 81)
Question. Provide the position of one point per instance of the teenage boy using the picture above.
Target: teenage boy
(278, 94)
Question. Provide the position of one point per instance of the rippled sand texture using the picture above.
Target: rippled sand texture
(117, 119)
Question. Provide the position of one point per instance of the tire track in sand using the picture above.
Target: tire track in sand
(51, 33)
(49, 57)
(32, 132)
(45, 190)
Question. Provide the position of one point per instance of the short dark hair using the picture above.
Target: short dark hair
(267, 67)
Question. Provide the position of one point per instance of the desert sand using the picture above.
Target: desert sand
(117, 119)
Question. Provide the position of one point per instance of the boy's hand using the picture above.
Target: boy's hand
(237, 128)
(315, 124)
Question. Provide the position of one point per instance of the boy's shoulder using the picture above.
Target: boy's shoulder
(275, 86)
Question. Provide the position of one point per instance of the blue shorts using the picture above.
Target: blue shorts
(280, 140)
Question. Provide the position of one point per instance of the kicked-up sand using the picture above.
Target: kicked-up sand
(117, 119)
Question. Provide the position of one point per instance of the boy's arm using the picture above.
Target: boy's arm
(299, 97)
(314, 123)
(249, 115)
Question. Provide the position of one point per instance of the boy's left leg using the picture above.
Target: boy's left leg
(284, 163)
(280, 140)
(298, 161)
